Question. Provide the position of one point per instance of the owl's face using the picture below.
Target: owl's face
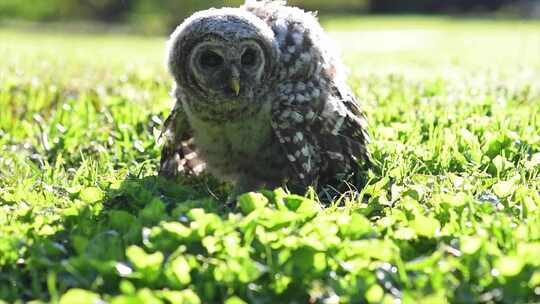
(228, 69)
(223, 60)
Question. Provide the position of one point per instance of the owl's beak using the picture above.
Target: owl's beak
(235, 86)
(235, 81)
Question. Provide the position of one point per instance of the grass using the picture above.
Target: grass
(451, 212)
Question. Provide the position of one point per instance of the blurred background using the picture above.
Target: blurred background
(160, 16)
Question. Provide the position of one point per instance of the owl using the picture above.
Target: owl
(261, 101)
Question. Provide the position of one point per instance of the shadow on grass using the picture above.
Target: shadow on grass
(86, 251)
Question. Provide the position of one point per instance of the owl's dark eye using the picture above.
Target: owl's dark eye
(210, 59)
(249, 58)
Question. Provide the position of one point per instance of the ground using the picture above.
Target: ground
(451, 212)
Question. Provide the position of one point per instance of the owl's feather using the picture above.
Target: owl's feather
(179, 154)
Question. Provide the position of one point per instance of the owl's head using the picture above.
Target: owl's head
(224, 55)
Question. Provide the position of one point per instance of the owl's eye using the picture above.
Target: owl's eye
(210, 59)
(249, 58)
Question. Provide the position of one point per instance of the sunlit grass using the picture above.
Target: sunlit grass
(451, 211)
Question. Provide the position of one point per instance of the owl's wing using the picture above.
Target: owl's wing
(324, 135)
(315, 117)
(344, 128)
(354, 129)
(178, 155)
(291, 123)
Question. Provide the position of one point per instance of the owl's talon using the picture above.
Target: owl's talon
(231, 203)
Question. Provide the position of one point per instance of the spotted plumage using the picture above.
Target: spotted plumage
(262, 101)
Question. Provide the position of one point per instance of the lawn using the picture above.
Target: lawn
(451, 211)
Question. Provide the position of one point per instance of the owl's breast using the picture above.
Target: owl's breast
(238, 149)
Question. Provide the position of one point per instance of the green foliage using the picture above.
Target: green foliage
(167, 14)
(30, 10)
(155, 15)
(349, 6)
(451, 211)
(50, 10)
